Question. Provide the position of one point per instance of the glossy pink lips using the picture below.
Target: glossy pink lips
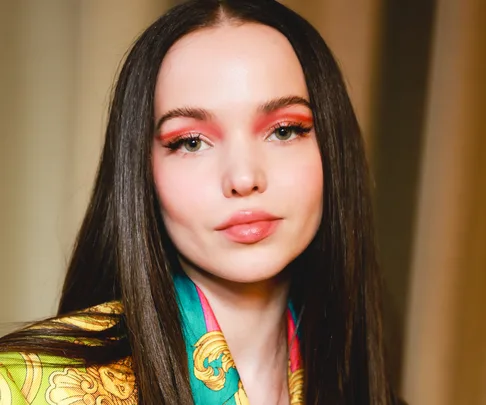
(249, 226)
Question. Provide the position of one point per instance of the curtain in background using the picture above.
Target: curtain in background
(415, 74)
(58, 62)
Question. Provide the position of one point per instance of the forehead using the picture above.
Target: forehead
(229, 66)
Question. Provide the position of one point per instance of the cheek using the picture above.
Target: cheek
(180, 192)
(303, 185)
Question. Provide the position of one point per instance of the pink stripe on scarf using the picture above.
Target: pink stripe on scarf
(294, 344)
(211, 322)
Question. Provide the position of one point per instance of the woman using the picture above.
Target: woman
(227, 254)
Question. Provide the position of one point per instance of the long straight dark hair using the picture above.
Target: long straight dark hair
(123, 252)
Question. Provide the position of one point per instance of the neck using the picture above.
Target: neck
(252, 317)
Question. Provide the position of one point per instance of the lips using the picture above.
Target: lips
(249, 227)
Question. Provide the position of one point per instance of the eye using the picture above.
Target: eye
(188, 143)
(287, 132)
(284, 133)
(192, 144)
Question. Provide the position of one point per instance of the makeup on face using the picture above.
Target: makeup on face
(240, 130)
(249, 226)
(281, 116)
(197, 122)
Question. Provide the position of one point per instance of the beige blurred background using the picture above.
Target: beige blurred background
(415, 71)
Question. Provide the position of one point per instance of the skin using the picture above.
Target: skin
(240, 163)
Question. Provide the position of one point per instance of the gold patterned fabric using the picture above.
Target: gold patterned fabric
(27, 378)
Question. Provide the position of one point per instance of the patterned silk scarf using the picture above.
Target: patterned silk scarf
(212, 371)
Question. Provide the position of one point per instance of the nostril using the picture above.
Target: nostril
(243, 192)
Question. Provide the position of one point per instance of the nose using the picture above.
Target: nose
(244, 174)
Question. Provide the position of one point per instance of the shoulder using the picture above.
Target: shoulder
(41, 379)
(38, 379)
(23, 374)
(96, 318)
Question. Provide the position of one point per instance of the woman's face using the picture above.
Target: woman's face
(235, 159)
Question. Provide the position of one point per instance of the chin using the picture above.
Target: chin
(249, 269)
(242, 264)
(247, 277)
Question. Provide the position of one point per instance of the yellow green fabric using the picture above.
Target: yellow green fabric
(37, 379)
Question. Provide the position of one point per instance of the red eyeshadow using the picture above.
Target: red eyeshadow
(199, 127)
(267, 120)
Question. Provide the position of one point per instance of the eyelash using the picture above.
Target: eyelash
(299, 128)
(176, 144)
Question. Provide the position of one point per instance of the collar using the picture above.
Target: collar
(213, 375)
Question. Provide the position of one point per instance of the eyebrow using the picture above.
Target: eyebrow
(201, 114)
(282, 102)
